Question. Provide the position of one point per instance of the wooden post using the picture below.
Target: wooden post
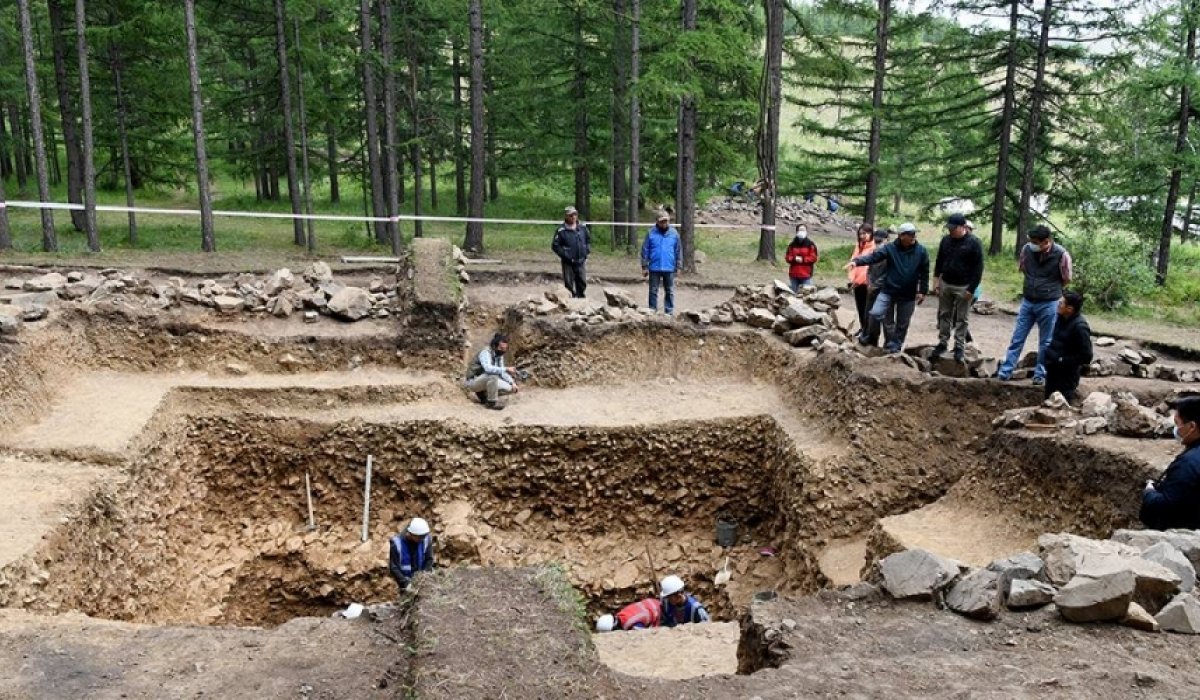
(312, 522)
(367, 499)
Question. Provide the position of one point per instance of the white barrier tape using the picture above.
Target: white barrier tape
(63, 206)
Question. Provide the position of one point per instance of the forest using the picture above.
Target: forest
(1071, 113)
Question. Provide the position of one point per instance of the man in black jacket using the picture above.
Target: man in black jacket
(572, 243)
(1070, 348)
(1174, 500)
(957, 272)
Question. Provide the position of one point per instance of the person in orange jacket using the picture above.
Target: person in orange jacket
(640, 615)
(801, 257)
(859, 284)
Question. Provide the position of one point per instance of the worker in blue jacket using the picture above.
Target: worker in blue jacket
(410, 552)
(1173, 501)
(662, 257)
(678, 606)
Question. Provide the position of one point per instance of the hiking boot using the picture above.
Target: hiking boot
(494, 405)
(938, 351)
(482, 396)
(1039, 381)
(960, 355)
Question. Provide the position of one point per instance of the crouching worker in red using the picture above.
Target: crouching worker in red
(410, 553)
(678, 606)
(635, 616)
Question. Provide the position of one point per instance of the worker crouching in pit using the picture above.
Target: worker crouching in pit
(410, 553)
(678, 606)
(636, 616)
(488, 377)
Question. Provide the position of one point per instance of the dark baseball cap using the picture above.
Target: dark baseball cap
(956, 220)
(1039, 233)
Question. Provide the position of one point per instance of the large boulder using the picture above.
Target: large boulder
(916, 574)
(228, 303)
(1186, 541)
(51, 281)
(1019, 567)
(1137, 618)
(1069, 557)
(350, 303)
(279, 280)
(317, 273)
(1180, 615)
(760, 318)
(619, 298)
(804, 336)
(1026, 593)
(826, 295)
(1169, 556)
(800, 314)
(1086, 599)
(976, 595)
(1131, 420)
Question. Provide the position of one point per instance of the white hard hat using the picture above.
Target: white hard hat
(605, 623)
(671, 585)
(907, 227)
(418, 527)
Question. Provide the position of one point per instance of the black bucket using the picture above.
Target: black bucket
(727, 532)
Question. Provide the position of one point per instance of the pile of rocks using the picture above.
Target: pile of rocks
(618, 307)
(460, 264)
(1142, 364)
(1145, 579)
(280, 294)
(788, 212)
(1119, 414)
(810, 318)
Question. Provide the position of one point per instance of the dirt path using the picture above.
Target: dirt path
(34, 498)
(673, 653)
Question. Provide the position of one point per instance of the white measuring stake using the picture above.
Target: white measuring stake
(312, 521)
(367, 498)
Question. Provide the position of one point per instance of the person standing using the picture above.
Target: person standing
(904, 284)
(859, 282)
(957, 273)
(1070, 348)
(869, 335)
(1047, 269)
(1173, 501)
(662, 256)
(801, 257)
(572, 244)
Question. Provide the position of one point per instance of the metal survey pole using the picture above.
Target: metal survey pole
(312, 521)
(367, 499)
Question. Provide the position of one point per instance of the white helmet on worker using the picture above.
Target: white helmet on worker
(605, 623)
(418, 527)
(671, 585)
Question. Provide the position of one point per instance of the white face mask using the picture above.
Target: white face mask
(1177, 433)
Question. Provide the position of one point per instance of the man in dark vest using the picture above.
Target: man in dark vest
(1047, 269)
(572, 243)
(410, 552)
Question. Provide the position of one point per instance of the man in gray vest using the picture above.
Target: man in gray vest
(1047, 269)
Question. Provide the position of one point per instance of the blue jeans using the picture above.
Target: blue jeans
(798, 282)
(1043, 314)
(894, 315)
(667, 280)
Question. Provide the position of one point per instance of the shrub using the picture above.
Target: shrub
(1109, 269)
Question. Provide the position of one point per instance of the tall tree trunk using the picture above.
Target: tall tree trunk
(310, 239)
(493, 178)
(433, 197)
(620, 124)
(49, 237)
(1007, 111)
(414, 111)
(289, 132)
(5, 232)
(770, 97)
(1033, 128)
(208, 242)
(582, 154)
(873, 150)
(635, 123)
(118, 69)
(66, 107)
(460, 166)
(1186, 234)
(6, 167)
(1181, 146)
(20, 156)
(52, 153)
(687, 159)
(370, 110)
(393, 180)
(474, 238)
(331, 134)
(89, 161)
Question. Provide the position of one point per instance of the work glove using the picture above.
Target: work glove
(1149, 486)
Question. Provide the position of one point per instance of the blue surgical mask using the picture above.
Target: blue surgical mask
(1175, 432)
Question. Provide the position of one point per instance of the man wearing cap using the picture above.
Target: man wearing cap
(410, 552)
(957, 272)
(572, 244)
(904, 284)
(662, 256)
(678, 606)
(1047, 269)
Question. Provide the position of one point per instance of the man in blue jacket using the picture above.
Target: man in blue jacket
(904, 284)
(662, 257)
(410, 552)
(1174, 500)
(678, 606)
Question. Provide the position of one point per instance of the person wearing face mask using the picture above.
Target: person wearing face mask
(859, 277)
(1047, 269)
(488, 377)
(1173, 501)
(801, 257)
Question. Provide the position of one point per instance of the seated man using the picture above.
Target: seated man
(679, 607)
(410, 552)
(487, 375)
(635, 616)
(1174, 500)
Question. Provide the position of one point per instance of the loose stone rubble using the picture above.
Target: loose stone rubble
(1119, 414)
(1144, 579)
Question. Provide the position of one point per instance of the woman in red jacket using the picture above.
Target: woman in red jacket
(858, 276)
(801, 258)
